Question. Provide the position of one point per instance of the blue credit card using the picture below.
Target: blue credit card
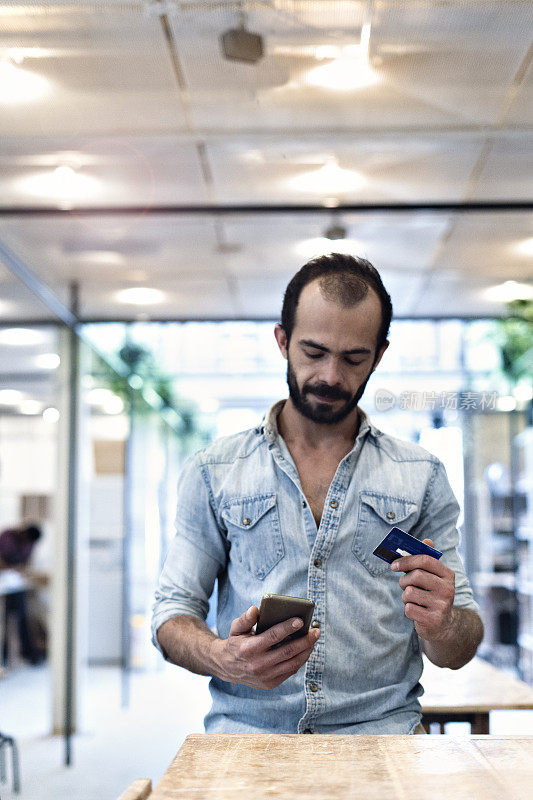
(398, 543)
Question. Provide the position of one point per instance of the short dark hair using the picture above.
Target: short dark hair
(32, 532)
(345, 280)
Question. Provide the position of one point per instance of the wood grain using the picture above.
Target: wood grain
(139, 790)
(284, 767)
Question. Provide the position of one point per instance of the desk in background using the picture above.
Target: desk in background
(285, 767)
(470, 694)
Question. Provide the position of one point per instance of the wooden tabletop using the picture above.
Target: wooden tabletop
(476, 687)
(285, 767)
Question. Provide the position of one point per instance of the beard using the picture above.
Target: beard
(317, 411)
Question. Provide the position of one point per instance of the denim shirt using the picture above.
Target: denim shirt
(242, 517)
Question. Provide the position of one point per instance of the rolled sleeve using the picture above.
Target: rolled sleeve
(438, 521)
(196, 554)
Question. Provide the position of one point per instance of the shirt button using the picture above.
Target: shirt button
(334, 504)
(390, 514)
(246, 521)
(304, 504)
(315, 624)
(313, 687)
(308, 730)
(318, 562)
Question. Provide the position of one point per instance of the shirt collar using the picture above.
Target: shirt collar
(269, 425)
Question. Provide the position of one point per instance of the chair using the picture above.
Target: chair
(8, 741)
(139, 790)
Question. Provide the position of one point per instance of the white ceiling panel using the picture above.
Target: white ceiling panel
(109, 71)
(125, 170)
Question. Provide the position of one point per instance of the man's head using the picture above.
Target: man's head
(31, 533)
(334, 325)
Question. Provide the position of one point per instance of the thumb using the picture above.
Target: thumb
(429, 542)
(245, 622)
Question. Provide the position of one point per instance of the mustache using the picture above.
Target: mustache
(326, 391)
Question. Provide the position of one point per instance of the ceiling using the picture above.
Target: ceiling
(137, 107)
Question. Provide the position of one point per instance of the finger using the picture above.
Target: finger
(275, 634)
(288, 667)
(429, 542)
(420, 597)
(424, 561)
(420, 578)
(245, 622)
(291, 650)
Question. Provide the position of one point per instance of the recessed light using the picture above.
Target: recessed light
(10, 397)
(525, 247)
(347, 72)
(47, 361)
(140, 296)
(508, 291)
(330, 179)
(51, 415)
(506, 403)
(63, 184)
(30, 407)
(21, 337)
(19, 85)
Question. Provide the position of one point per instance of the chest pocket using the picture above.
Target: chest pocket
(254, 532)
(376, 515)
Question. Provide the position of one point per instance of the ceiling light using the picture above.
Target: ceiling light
(508, 291)
(47, 361)
(114, 405)
(30, 407)
(330, 178)
(10, 397)
(525, 247)
(523, 392)
(63, 183)
(21, 337)
(506, 403)
(103, 257)
(51, 415)
(20, 86)
(321, 246)
(349, 71)
(140, 296)
(239, 44)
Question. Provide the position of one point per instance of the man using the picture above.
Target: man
(296, 506)
(16, 546)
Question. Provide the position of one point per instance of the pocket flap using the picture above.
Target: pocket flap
(391, 509)
(245, 512)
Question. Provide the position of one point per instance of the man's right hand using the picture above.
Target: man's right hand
(247, 658)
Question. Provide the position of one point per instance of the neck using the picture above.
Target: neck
(297, 429)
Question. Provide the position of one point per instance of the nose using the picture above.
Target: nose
(331, 372)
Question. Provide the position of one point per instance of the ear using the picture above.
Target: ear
(380, 354)
(281, 339)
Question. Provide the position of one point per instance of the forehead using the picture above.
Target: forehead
(333, 325)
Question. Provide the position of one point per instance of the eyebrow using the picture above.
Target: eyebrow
(355, 351)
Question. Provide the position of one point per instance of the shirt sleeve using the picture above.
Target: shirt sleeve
(438, 521)
(196, 554)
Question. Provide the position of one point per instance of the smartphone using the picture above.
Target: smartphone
(280, 607)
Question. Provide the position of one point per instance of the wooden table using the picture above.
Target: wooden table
(299, 767)
(469, 694)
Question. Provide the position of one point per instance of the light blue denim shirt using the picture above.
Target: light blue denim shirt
(242, 517)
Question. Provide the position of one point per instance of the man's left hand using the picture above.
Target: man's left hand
(428, 593)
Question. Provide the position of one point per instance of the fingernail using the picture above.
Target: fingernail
(297, 623)
(395, 566)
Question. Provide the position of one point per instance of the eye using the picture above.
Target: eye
(353, 363)
(314, 355)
